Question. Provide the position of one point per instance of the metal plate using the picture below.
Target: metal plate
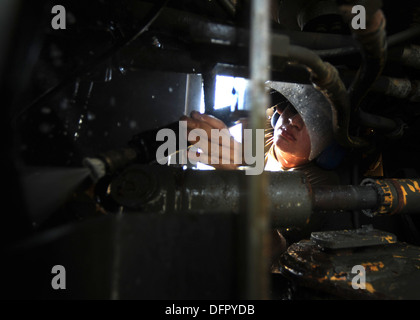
(391, 271)
(362, 237)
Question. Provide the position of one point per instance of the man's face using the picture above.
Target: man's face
(291, 138)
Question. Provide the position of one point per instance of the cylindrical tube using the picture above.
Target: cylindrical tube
(327, 79)
(411, 56)
(142, 148)
(331, 198)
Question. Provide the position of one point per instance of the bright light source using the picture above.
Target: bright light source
(202, 105)
(225, 96)
(229, 91)
(236, 132)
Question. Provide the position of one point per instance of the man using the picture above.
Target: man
(298, 137)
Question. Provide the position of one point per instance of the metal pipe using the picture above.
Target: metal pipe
(373, 44)
(377, 122)
(293, 200)
(258, 218)
(328, 81)
(396, 196)
(329, 198)
(209, 88)
(411, 56)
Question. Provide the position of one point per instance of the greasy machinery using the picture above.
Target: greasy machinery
(96, 93)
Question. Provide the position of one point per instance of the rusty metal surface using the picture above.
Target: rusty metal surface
(314, 109)
(392, 270)
(411, 56)
(164, 189)
(258, 219)
(397, 196)
(344, 197)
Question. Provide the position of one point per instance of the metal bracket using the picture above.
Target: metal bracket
(343, 239)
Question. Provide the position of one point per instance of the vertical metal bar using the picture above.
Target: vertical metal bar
(209, 86)
(257, 271)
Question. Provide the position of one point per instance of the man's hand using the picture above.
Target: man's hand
(219, 148)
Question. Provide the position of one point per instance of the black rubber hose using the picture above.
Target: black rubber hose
(374, 53)
(84, 68)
